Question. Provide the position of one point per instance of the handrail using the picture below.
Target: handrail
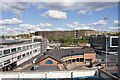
(105, 74)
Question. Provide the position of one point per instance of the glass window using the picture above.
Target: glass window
(19, 57)
(88, 60)
(13, 57)
(31, 52)
(0, 53)
(48, 62)
(7, 51)
(7, 62)
(30, 46)
(114, 41)
(27, 47)
(35, 50)
(1, 64)
(23, 55)
(34, 45)
(13, 50)
(27, 53)
(81, 59)
(23, 47)
(19, 48)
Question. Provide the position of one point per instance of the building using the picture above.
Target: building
(44, 42)
(54, 34)
(95, 33)
(106, 48)
(99, 43)
(73, 33)
(55, 59)
(15, 52)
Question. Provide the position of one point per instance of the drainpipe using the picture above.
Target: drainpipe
(71, 74)
(118, 43)
(119, 54)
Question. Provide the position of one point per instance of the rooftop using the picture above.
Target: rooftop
(59, 53)
(47, 68)
(3, 41)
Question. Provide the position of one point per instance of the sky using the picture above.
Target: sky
(22, 17)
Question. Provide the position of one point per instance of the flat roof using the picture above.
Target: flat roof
(13, 40)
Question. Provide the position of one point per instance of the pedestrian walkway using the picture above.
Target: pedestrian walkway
(25, 67)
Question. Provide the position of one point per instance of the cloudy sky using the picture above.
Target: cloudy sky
(20, 17)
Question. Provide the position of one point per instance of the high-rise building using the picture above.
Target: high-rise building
(73, 33)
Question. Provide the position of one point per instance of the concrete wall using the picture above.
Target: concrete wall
(51, 74)
(85, 56)
(72, 57)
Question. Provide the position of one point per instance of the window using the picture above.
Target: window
(88, 60)
(7, 62)
(114, 42)
(35, 50)
(19, 57)
(7, 51)
(30, 46)
(27, 47)
(0, 53)
(13, 57)
(1, 64)
(38, 45)
(13, 50)
(19, 48)
(34, 45)
(48, 62)
(81, 59)
(23, 55)
(23, 47)
(27, 53)
(30, 52)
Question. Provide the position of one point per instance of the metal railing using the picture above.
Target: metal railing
(106, 75)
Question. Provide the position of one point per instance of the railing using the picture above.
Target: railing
(106, 75)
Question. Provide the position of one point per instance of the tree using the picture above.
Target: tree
(3, 37)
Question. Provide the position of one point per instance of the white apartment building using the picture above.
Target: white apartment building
(17, 52)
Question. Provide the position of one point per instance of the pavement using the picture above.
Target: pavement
(26, 67)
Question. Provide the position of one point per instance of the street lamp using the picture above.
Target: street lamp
(106, 52)
(106, 45)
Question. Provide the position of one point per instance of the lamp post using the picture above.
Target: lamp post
(106, 52)
(106, 46)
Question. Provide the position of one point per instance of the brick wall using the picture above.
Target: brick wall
(90, 56)
(42, 63)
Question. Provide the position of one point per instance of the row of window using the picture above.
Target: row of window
(24, 55)
(18, 58)
(72, 55)
(5, 62)
(13, 50)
